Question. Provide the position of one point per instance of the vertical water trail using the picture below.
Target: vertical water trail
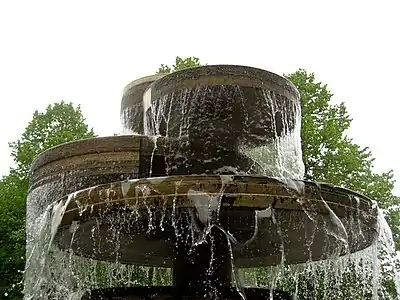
(39, 267)
(125, 187)
(57, 215)
(164, 212)
(127, 117)
(147, 104)
(310, 212)
(375, 273)
(360, 232)
(235, 277)
(336, 228)
(207, 210)
(142, 192)
(175, 210)
(154, 139)
(279, 269)
(389, 262)
(259, 216)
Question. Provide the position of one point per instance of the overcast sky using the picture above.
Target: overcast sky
(87, 51)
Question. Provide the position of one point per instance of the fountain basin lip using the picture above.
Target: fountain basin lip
(256, 186)
(221, 74)
(146, 79)
(119, 143)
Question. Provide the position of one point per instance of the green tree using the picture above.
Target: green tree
(180, 64)
(12, 234)
(329, 155)
(61, 122)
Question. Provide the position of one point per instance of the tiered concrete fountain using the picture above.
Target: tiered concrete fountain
(209, 181)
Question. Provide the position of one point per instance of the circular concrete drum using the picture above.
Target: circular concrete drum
(212, 113)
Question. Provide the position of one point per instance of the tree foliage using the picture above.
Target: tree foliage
(329, 154)
(12, 234)
(61, 122)
(180, 64)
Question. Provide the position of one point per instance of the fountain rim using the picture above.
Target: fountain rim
(141, 80)
(201, 71)
(364, 203)
(103, 144)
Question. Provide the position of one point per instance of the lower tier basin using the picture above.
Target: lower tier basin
(267, 221)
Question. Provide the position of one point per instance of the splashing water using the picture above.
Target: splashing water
(280, 157)
(276, 155)
(365, 273)
(54, 273)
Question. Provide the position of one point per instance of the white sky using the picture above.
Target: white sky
(87, 51)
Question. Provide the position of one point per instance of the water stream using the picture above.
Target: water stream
(363, 273)
(55, 274)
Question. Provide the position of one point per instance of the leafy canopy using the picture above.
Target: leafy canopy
(60, 123)
(180, 64)
(328, 153)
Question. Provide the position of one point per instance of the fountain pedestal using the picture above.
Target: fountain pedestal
(204, 268)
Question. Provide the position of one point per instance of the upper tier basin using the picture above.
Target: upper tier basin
(219, 115)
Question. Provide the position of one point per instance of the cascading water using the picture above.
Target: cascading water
(278, 156)
(230, 209)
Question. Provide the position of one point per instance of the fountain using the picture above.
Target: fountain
(206, 180)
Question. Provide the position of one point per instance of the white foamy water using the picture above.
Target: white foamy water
(279, 157)
(51, 273)
(372, 273)
(54, 274)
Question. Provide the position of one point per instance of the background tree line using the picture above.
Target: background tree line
(329, 154)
